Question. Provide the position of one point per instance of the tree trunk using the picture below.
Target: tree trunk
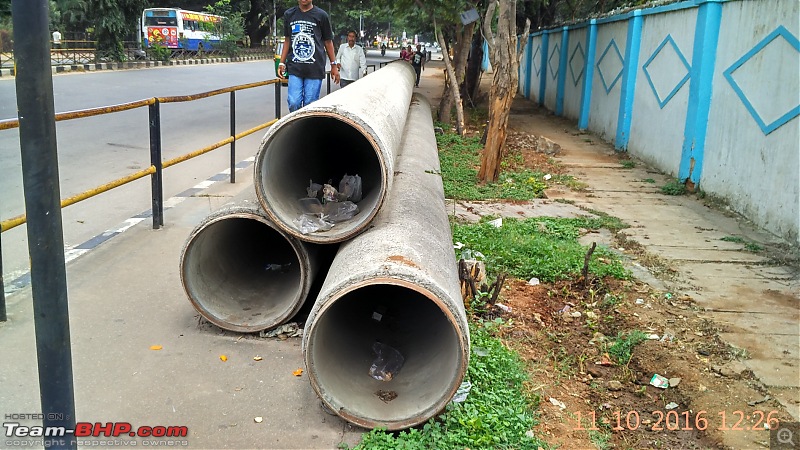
(456, 95)
(473, 72)
(505, 63)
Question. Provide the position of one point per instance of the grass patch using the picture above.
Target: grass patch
(674, 187)
(496, 414)
(649, 180)
(628, 164)
(736, 239)
(460, 161)
(748, 245)
(753, 247)
(621, 350)
(541, 247)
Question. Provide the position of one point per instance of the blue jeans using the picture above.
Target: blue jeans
(302, 91)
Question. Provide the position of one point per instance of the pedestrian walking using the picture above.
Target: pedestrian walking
(307, 39)
(56, 39)
(351, 59)
(418, 62)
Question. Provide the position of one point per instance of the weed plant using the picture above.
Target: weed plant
(621, 349)
(496, 414)
(674, 187)
(542, 247)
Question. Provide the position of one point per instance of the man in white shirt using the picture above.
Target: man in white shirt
(352, 62)
(56, 39)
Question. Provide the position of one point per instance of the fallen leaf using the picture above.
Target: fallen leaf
(257, 358)
(156, 347)
(223, 358)
(297, 372)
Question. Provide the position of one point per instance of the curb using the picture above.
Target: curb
(137, 65)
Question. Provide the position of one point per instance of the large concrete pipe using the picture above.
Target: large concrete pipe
(395, 284)
(244, 274)
(355, 130)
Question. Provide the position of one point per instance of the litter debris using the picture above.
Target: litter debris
(605, 360)
(309, 223)
(223, 358)
(480, 351)
(503, 307)
(156, 347)
(575, 314)
(329, 193)
(671, 405)
(313, 188)
(659, 381)
(667, 338)
(462, 392)
(282, 268)
(257, 358)
(458, 245)
(547, 177)
(533, 281)
(555, 402)
(336, 212)
(564, 309)
(639, 301)
(298, 372)
(591, 315)
(350, 188)
(285, 331)
(497, 223)
(605, 406)
(387, 363)
(258, 419)
(653, 337)
(674, 381)
(386, 396)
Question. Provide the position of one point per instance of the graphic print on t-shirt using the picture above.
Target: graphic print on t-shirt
(303, 46)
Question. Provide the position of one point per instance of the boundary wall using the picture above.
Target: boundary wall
(707, 91)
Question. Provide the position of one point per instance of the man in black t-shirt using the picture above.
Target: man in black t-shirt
(418, 62)
(307, 37)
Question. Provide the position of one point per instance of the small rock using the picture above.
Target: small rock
(702, 388)
(594, 371)
(732, 369)
(575, 314)
(614, 385)
(546, 146)
(674, 381)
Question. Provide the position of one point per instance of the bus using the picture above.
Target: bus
(177, 28)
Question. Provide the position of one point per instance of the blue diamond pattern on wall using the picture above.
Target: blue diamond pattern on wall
(666, 67)
(612, 65)
(578, 59)
(536, 66)
(772, 107)
(557, 55)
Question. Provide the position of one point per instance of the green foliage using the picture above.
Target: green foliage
(736, 239)
(628, 164)
(460, 160)
(541, 247)
(113, 21)
(753, 247)
(159, 52)
(231, 29)
(621, 350)
(497, 414)
(649, 180)
(674, 187)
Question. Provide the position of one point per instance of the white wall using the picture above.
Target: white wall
(550, 70)
(657, 132)
(536, 54)
(605, 105)
(576, 72)
(757, 173)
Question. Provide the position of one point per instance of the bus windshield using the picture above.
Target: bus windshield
(160, 21)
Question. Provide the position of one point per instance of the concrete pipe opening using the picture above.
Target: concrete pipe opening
(319, 147)
(244, 275)
(339, 354)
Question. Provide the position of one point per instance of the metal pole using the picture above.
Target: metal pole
(277, 100)
(155, 160)
(37, 135)
(3, 316)
(233, 135)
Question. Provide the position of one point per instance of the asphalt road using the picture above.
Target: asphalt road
(96, 150)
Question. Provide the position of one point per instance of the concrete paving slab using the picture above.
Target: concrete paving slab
(790, 399)
(126, 296)
(682, 253)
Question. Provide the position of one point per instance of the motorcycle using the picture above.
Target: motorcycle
(383, 50)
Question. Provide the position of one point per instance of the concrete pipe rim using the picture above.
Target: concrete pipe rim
(268, 203)
(203, 310)
(431, 410)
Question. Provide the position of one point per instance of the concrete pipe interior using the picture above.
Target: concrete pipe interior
(322, 149)
(242, 274)
(339, 353)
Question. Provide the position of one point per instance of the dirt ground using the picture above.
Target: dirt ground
(589, 401)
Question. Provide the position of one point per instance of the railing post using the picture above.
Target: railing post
(329, 82)
(3, 316)
(156, 185)
(278, 100)
(233, 135)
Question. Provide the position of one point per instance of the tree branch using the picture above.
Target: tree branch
(487, 28)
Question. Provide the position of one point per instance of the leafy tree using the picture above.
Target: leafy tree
(114, 21)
